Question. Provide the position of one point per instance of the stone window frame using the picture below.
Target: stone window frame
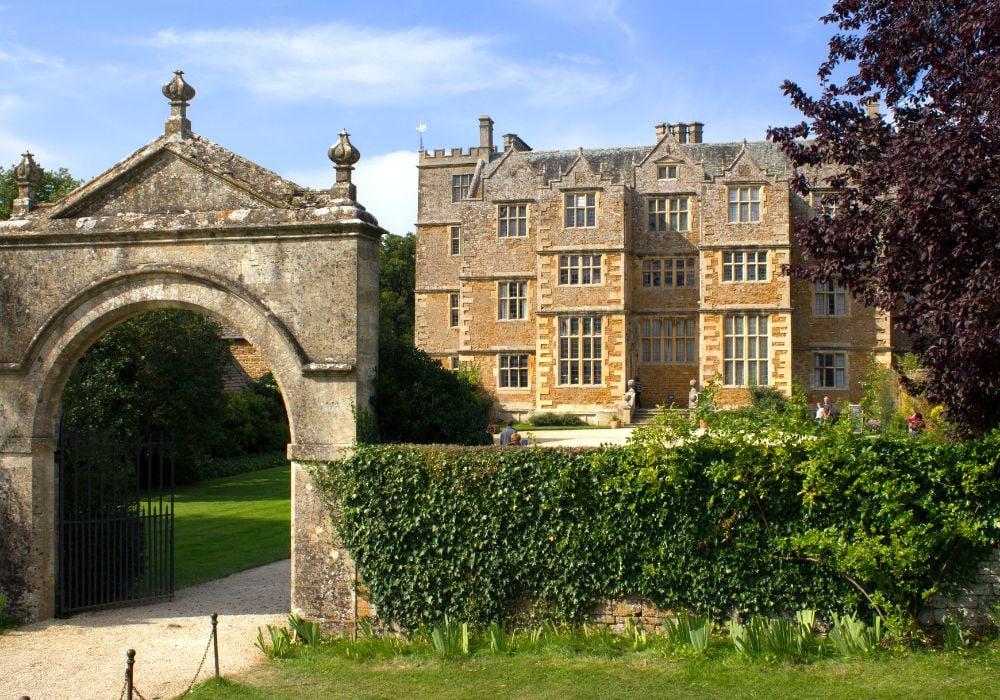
(830, 300)
(667, 171)
(454, 302)
(830, 369)
(512, 217)
(750, 267)
(819, 207)
(455, 243)
(671, 272)
(668, 340)
(513, 376)
(746, 210)
(580, 351)
(454, 362)
(512, 300)
(746, 350)
(460, 185)
(668, 213)
(580, 270)
(573, 209)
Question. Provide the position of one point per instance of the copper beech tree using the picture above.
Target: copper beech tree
(916, 189)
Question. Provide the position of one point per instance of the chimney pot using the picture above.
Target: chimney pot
(695, 132)
(486, 132)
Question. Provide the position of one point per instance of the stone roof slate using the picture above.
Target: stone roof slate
(619, 162)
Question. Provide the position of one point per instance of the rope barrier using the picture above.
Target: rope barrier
(130, 692)
(211, 638)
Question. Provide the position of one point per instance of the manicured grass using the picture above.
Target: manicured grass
(912, 674)
(233, 523)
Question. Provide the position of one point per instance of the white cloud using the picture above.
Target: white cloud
(20, 57)
(342, 62)
(387, 187)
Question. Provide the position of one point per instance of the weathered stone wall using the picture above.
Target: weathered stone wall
(970, 606)
(246, 364)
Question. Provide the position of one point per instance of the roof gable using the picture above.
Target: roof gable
(171, 176)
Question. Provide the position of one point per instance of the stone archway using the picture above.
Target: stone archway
(183, 223)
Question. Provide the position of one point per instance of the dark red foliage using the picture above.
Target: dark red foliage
(918, 203)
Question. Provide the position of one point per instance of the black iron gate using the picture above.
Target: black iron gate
(116, 523)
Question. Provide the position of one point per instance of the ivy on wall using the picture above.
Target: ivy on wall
(718, 523)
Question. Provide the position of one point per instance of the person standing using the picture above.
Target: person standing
(915, 423)
(507, 433)
(637, 387)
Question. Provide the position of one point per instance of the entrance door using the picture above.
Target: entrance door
(116, 523)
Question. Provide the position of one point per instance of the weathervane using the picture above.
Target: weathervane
(421, 128)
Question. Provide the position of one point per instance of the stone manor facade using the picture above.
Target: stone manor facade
(562, 274)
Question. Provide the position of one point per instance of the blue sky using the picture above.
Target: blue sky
(276, 81)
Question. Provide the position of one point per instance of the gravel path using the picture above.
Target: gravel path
(84, 656)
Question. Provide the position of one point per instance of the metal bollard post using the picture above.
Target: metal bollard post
(129, 670)
(215, 640)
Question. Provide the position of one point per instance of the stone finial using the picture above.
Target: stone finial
(27, 173)
(179, 93)
(344, 155)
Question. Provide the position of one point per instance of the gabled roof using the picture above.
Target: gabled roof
(619, 162)
(152, 179)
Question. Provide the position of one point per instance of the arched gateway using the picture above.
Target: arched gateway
(184, 223)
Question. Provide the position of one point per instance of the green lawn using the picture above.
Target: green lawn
(912, 674)
(233, 523)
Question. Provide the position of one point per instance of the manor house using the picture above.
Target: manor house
(560, 275)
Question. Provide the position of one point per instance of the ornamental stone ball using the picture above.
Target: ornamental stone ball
(179, 93)
(27, 173)
(344, 155)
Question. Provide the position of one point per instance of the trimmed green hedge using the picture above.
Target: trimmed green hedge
(729, 521)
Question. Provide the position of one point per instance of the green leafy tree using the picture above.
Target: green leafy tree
(160, 372)
(916, 191)
(397, 280)
(52, 186)
(416, 399)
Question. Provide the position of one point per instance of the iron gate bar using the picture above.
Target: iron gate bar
(116, 522)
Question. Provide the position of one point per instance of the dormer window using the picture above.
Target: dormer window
(666, 172)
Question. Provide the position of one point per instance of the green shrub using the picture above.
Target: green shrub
(764, 521)
(419, 401)
(543, 419)
(255, 420)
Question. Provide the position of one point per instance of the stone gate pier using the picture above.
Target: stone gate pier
(184, 223)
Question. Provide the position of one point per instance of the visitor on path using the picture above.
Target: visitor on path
(916, 423)
(515, 439)
(507, 433)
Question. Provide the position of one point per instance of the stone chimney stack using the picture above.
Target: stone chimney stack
(871, 107)
(694, 132)
(679, 132)
(513, 142)
(344, 155)
(27, 173)
(179, 93)
(485, 132)
(661, 131)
